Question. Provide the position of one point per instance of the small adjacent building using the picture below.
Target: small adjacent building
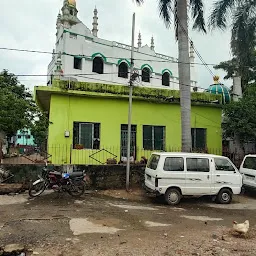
(88, 121)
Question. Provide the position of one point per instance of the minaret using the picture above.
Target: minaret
(69, 13)
(237, 87)
(139, 40)
(58, 70)
(95, 23)
(58, 23)
(192, 54)
(152, 47)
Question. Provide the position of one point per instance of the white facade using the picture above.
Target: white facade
(75, 40)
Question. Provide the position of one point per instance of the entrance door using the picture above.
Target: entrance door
(124, 140)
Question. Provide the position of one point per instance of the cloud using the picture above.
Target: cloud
(30, 24)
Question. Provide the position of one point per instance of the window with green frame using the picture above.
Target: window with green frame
(153, 137)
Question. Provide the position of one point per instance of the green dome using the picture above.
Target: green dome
(220, 89)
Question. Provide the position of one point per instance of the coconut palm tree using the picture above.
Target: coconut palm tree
(179, 10)
(242, 14)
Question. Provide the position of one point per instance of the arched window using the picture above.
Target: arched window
(98, 65)
(146, 75)
(123, 70)
(166, 79)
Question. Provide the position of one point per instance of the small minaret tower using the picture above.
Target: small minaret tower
(152, 47)
(69, 13)
(192, 54)
(95, 23)
(58, 23)
(139, 40)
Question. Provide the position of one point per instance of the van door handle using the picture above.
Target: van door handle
(208, 176)
(218, 175)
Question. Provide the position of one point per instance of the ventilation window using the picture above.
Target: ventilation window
(98, 65)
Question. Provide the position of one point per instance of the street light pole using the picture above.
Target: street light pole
(130, 108)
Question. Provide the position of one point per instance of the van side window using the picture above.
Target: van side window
(250, 163)
(174, 164)
(198, 165)
(223, 165)
(153, 162)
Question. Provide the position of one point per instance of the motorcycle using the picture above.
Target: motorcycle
(72, 183)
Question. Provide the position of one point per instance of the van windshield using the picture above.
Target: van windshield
(153, 162)
(250, 163)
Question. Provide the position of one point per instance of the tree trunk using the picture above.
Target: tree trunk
(184, 75)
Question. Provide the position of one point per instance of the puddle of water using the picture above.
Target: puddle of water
(133, 207)
(17, 199)
(81, 226)
(201, 218)
(155, 224)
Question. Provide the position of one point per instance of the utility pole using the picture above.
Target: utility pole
(130, 108)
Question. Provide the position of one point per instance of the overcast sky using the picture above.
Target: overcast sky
(30, 24)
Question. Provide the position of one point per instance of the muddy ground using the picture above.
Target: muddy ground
(117, 223)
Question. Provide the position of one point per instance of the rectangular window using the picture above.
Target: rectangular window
(19, 136)
(174, 164)
(222, 164)
(86, 135)
(250, 163)
(198, 138)
(198, 165)
(153, 162)
(77, 63)
(153, 137)
(27, 136)
(73, 36)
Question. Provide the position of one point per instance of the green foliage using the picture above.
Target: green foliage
(39, 129)
(243, 38)
(247, 69)
(17, 108)
(159, 95)
(240, 116)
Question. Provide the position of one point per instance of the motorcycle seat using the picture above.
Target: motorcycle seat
(76, 174)
(55, 173)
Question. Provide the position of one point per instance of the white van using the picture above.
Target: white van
(190, 174)
(248, 171)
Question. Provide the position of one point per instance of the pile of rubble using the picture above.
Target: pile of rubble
(16, 250)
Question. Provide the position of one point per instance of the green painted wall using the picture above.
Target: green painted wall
(111, 113)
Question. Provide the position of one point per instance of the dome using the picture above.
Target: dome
(219, 88)
(72, 2)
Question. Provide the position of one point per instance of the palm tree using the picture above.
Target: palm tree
(242, 14)
(179, 9)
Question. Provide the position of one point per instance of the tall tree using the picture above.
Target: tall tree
(17, 108)
(179, 9)
(242, 14)
(232, 67)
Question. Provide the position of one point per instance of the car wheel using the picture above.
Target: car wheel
(172, 196)
(224, 196)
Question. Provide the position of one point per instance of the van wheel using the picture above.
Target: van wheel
(172, 196)
(224, 196)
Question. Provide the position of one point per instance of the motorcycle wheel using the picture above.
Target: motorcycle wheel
(37, 189)
(77, 188)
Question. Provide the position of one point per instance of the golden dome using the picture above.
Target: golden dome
(72, 2)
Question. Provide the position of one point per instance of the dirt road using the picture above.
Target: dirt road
(56, 224)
